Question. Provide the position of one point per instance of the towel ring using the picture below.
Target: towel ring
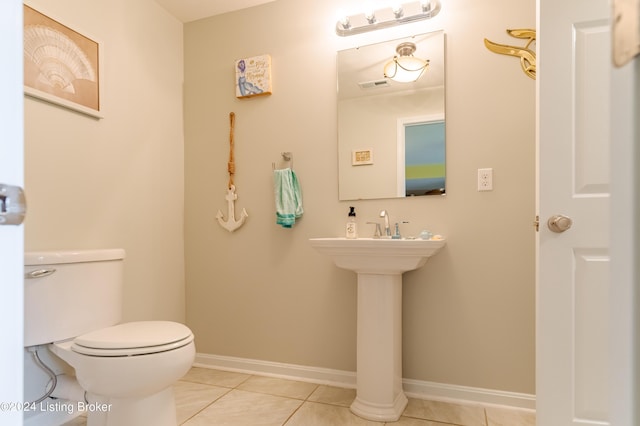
(286, 156)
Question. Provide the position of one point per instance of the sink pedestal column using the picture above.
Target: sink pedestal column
(379, 352)
(379, 263)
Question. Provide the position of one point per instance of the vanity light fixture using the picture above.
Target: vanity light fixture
(387, 17)
(404, 67)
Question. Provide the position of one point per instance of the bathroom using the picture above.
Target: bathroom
(150, 176)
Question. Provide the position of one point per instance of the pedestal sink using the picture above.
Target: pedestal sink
(379, 264)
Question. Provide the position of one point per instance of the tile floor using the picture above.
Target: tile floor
(214, 397)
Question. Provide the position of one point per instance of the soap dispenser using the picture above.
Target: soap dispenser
(352, 226)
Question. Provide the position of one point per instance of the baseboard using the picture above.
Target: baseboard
(347, 379)
(455, 393)
(48, 418)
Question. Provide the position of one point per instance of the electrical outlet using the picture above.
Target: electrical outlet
(485, 179)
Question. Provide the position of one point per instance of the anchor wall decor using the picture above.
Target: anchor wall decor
(231, 224)
(526, 55)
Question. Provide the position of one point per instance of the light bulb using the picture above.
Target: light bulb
(397, 11)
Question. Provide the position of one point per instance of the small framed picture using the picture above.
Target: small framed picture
(361, 157)
(253, 76)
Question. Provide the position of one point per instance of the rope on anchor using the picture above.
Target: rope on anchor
(231, 165)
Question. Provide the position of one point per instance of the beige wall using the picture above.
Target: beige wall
(263, 293)
(117, 182)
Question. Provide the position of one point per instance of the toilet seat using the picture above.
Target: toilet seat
(133, 338)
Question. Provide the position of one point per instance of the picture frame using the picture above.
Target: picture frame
(362, 157)
(61, 65)
(253, 76)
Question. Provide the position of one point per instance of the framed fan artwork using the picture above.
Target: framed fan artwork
(61, 65)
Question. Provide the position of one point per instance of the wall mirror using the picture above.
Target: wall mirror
(391, 135)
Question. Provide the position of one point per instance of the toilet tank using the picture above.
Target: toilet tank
(69, 293)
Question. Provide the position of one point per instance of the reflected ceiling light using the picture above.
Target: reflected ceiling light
(387, 17)
(404, 67)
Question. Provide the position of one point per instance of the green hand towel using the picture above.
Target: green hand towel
(288, 197)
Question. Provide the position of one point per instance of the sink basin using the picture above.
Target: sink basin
(379, 263)
(377, 255)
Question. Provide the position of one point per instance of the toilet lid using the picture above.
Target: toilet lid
(133, 338)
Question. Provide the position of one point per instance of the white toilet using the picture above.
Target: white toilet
(73, 303)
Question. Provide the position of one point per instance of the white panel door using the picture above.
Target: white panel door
(573, 279)
(11, 236)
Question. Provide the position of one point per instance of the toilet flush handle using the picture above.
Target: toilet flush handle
(13, 205)
(39, 273)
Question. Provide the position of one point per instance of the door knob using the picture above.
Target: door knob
(559, 223)
(13, 205)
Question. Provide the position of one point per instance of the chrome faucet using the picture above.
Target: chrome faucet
(387, 228)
